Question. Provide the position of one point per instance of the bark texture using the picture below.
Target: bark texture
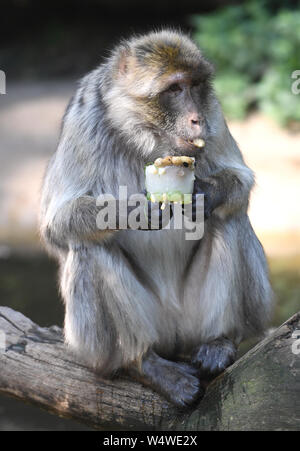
(261, 391)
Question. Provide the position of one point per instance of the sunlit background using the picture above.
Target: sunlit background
(46, 46)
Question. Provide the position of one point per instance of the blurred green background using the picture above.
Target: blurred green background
(46, 46)
(255, 47)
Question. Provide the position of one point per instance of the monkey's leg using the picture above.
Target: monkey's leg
(111, 321)
(234, 294)
(214, 357)
(178, 382)
(110, 316)
(213, 319)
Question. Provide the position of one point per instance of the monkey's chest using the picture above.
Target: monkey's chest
(160, 256)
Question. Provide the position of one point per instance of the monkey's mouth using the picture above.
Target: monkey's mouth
(187, 145)
(191, 144)
(199, 142)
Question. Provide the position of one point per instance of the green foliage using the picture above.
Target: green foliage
(285, 280)
(255, 52)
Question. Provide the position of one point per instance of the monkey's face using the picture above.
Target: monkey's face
(183, 105)
(163, 97)
(179, 111)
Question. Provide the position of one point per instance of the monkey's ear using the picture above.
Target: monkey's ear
(123, 61)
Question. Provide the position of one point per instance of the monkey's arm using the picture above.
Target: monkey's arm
(76, 220)
(226, 191)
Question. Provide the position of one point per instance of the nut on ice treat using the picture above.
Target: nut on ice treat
(176, 161)
(199, 142)
(170, 179)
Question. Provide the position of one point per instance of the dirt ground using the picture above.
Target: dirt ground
(30, 117)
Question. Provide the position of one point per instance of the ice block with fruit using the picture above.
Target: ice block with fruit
(170, 179)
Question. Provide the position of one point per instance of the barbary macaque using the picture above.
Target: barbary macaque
(137, 300)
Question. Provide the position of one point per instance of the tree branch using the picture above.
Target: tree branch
(261, 391)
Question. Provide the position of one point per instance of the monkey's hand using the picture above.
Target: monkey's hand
(213, 358)
(226, 191)
(213, 197)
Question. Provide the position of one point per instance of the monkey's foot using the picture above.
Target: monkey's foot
(214, 357)
(178, 382)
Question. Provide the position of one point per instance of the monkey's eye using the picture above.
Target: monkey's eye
(175, 87)
(197, 83)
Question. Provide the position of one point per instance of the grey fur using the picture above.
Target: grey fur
(126, 292)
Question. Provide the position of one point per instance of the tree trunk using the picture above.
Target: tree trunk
(261, 391)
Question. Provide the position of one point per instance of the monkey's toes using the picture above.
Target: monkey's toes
(213, 358)
(181, 386)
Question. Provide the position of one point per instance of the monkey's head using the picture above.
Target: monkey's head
(158, 93)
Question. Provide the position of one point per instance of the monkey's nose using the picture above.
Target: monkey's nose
(194, 120)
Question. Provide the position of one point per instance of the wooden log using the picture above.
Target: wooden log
(261, 391)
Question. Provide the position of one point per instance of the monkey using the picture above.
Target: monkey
(138, 300)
